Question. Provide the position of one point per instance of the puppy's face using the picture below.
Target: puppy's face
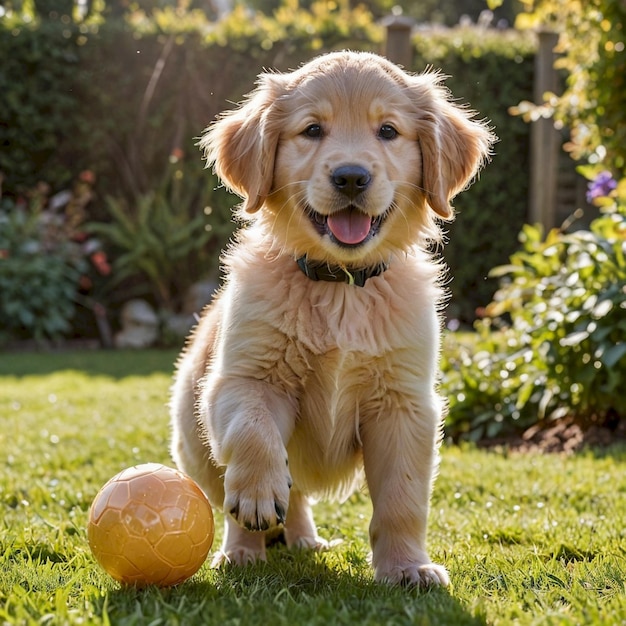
(348, 168)
(348, 158)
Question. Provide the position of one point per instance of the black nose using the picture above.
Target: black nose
(351, 180)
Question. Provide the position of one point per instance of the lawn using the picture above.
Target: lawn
(528, 539)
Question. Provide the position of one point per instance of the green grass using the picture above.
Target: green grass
(528, 539)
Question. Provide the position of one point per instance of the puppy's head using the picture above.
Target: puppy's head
(349, 158)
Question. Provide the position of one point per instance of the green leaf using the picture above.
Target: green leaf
(524, 393)
(503, 270)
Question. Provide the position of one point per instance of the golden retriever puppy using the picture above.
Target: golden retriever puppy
(318, 359)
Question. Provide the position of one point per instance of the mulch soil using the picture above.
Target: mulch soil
(565, 435)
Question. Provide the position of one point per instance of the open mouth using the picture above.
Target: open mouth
(349, 227)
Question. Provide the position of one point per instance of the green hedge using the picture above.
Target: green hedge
(38, 107)
(118, 98)
(75, 96)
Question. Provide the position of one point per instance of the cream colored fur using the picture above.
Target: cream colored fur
(290, 388)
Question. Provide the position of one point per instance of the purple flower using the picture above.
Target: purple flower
(601, 186)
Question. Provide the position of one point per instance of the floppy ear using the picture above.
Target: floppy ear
(241, 144)
(453, 144)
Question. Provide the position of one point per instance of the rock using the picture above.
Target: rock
(140, 325)
(196, 298)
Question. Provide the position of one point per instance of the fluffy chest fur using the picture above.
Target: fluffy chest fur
(344, 354)
(277, 317)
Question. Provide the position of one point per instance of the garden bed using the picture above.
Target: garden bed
(565, 435)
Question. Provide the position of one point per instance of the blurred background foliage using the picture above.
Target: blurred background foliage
(550, 353)
(116, 88)
(592, 53)
(101, 107)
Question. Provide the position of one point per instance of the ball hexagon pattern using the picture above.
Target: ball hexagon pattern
(150, 525)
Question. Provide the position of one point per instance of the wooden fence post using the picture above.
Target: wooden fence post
(545, 140)
(398, 39)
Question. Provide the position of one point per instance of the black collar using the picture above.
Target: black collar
(316, 270)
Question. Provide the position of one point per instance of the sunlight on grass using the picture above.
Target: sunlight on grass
(528, 539)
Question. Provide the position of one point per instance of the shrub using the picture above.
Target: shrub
(163, 236)
(562, 298)
(562, 351)
(37, 288)
(45, 259)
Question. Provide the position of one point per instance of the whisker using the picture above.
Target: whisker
(290, 184)
(412, 185)
(296, 202)
(396, 207)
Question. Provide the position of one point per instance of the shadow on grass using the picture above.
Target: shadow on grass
(112, 363)
(294, 589)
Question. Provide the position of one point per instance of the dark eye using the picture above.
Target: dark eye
(387, 131)
(314, 131)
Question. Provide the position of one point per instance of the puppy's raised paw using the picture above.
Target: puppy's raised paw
(257, 500)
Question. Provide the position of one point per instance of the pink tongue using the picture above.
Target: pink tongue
(349, 226)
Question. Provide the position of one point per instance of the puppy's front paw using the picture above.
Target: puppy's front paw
(237, 555)
(257, 498)
(413, 575)
(312, 542)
